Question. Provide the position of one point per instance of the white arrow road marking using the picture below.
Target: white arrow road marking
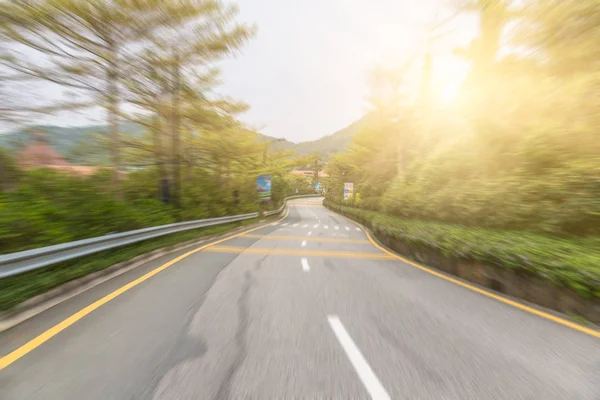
(305, 265)
(360, 364)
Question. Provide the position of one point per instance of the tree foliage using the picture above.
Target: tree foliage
(154, 63)
(520, 150)
(154, 55)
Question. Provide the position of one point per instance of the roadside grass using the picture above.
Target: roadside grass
(572, 262)
(16, 289)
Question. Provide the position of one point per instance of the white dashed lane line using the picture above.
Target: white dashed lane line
(286, 224)
(326, 227)
(316, 226)
(358, 361)
(347, 228)
(305, 226)
(357, 229)
(305, 265)
(337, 228)
(295, 225)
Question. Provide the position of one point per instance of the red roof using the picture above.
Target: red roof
(309, 173)
(39, 154)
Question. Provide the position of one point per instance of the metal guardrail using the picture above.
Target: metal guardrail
(23, 261)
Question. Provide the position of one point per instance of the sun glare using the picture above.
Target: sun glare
(448, 92)
(449, 73)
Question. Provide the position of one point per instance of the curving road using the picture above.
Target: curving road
(306, 308)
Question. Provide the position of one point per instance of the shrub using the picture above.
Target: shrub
(50, 208)
(573, 263)
(562, 201)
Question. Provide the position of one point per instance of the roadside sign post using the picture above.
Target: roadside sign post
(348, 190)
(263, 187)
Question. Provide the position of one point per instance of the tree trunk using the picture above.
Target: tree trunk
(158, 153)
(113, 110)
(493, 16)
(176, 139)
(400, 146)
(424, 140)
(188, 162)
(3, 180)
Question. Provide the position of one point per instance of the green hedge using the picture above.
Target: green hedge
(573, 263)
(556, 201)
(46, 207)
(50, 208)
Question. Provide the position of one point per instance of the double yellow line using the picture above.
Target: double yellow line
(56, 329)
(307, 238)
(299, 252)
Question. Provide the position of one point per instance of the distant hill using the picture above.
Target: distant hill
(63, 139)
(334, 143)
(75, 143)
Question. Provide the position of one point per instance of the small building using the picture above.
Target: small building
(309, 174)
(38, 153)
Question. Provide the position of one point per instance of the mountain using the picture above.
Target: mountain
(64, 139)
(77, 143)
(334, 143)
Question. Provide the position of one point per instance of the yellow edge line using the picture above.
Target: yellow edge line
(558, 320)
(340, 254)
(307, 238)
(56, 329)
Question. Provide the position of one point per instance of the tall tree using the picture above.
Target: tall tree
(187, 45)
(89, 45)
(79, 44)
(317, 164)
(392, 109)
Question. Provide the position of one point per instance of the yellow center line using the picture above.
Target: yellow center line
(61, 326)
(308, 238)
(298, 252)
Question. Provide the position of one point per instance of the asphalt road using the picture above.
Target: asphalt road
(304, 309)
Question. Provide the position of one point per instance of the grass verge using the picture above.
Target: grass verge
(573, 262)
(16, 289)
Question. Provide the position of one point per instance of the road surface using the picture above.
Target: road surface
(307, 308)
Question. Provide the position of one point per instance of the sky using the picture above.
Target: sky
(305, 73)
